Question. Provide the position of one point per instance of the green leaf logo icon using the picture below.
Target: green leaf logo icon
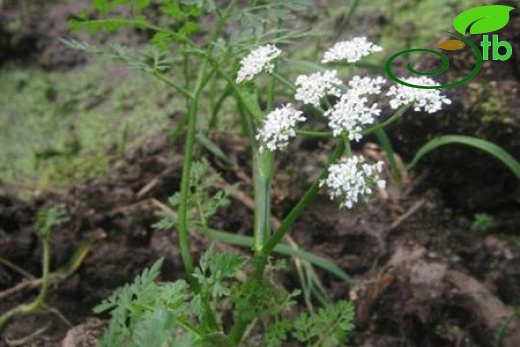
(483, 19)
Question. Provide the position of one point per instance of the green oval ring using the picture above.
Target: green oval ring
(443, 68)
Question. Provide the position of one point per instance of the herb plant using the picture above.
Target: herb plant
(228, 298)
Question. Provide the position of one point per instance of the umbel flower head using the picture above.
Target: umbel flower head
(258, 60)
(311, 88)
(278, 127)
(351, 114)
(366, 85)
(351, 51)
(429, 100)
(352, 179)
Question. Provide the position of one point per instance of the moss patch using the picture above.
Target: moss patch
(58, 126)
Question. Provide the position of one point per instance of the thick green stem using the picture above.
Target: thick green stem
(260, 258)
(263, 168)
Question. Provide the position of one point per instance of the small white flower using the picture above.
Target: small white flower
(351, 114)
(258, 60)
(311, 88)
(351, 179)
(366, 85)
(351, 51)
(430, 100)
(278, 128)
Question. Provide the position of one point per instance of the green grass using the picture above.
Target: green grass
(58, 126)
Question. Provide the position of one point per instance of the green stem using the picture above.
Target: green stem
(271, 94)
(185, 183)
(46, 264)
(184, 243)
(260, 258)
(202, 79)
(263, 168)
(290, 251)
(246, 100)
(185, 67)
(319, 135)
(346, 20)
(246, 123)
(218, 106)
(272, 80)
(187, 94)
(39, 302)
(284, 81)
(346, 143)
(302, 205)
(394, 118)
(323, 135)
(212, 99)
(386, 144)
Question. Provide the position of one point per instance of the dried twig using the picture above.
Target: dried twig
(24, 341)
(16, 268)
(24, 285)
(411, 211)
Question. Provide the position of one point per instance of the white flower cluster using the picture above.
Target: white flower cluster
(430, 100)
(350, 114)
(278, 127)
(351, 179)
(366, 85)
(311, 88)
(258, 60)
(351, 51)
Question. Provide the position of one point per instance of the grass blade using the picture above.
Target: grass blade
(247, 241)
(386, 144)
(485, 146)
(212, 147)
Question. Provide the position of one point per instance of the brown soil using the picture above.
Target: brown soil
(421, 277)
